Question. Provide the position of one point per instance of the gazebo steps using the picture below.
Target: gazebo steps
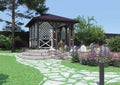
(45, 54)
(37, 54)
(34, 57)
(38, 50)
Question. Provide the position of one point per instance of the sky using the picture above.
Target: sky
(105, 12)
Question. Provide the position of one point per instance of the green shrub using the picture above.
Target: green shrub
(116, 63)
(5, 41)
(106, 64)
(75, 57)
(114, 44)
(92, 62)
(84, 62)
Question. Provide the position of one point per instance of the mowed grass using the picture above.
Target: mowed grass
(9, 51)
(78, 66)
(14, 73)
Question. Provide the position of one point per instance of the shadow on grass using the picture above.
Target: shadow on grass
(3, 78)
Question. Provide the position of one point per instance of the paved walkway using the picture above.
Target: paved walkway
(57, 74)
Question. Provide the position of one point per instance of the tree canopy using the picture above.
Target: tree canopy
(86, 31)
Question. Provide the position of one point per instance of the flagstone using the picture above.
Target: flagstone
(81, 83)
(93, 84)
(52, 74)
(113, 80)
(117, 79)
(65, 74)
(71, 80)
(111, 75)
(77, 76)
(50, 82)
(89, 78)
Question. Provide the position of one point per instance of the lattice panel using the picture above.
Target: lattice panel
(45, 31)
(45, 35)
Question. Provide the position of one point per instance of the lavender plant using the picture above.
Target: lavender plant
(93, 53)
(104, 55)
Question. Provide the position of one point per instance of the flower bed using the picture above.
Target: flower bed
(86, 58)
(91, 59)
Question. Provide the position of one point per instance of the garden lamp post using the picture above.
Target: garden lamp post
(101, 70)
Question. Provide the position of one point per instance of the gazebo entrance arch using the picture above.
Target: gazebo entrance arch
(48, 30)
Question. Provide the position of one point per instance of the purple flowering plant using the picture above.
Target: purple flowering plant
(104, 55)
(93, 53)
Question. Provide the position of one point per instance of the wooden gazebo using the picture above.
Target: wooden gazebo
(48, 30)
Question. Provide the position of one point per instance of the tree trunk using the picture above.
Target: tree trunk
(13, 26)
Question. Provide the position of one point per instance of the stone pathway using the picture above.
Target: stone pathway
(57, 74)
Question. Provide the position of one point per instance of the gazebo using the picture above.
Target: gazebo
(48, 30)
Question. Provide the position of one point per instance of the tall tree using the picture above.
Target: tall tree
(33, 7)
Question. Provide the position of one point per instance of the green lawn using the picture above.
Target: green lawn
(14, 73)
(90, 68)
(9, 51)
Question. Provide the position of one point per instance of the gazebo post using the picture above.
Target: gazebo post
(52, 38)
(37, 35)
(72, 35)
(59, 34)
(56, 38)
(69, 36)
(34, 36)
(30, 37)
(66, 35)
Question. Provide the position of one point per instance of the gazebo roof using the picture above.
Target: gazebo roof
(50, 18)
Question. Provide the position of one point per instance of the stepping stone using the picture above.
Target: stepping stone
(51, 74)
(113, 80)
(95, 74)
(77, 76)
(117, 78)
(86, 73)
(111, 75)
(68, 84)
(61, 66)
(59, 79)
(81, 83)
(71, 71)
(89, 78)
(71, 80)
(65, 74)
(49, 82)
(93, 84)
(55, 70)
